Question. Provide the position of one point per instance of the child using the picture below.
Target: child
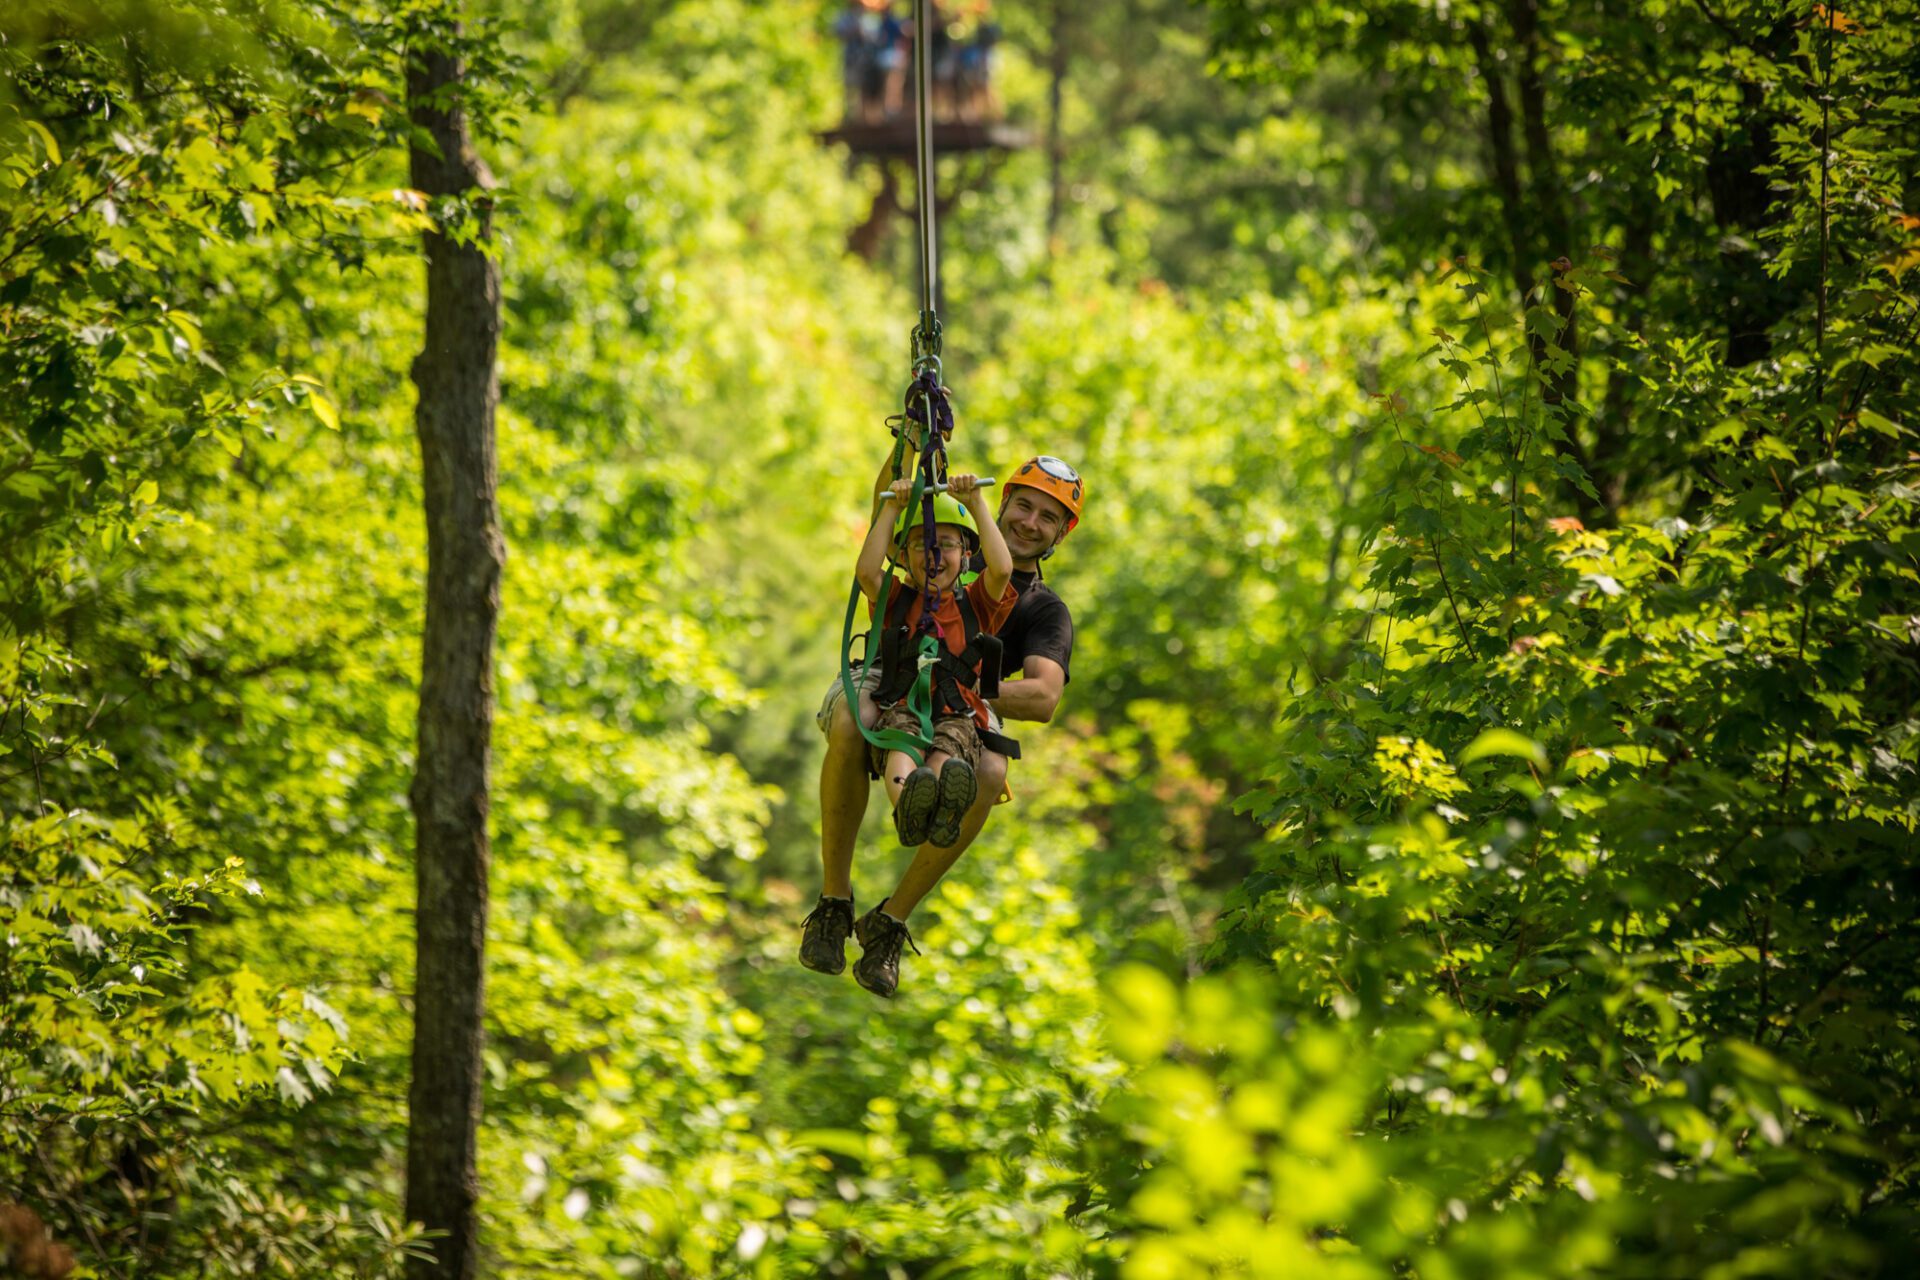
(929, 801)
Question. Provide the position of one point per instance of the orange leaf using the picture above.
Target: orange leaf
(1835, 19)
(1566, 524)
(1445, 455)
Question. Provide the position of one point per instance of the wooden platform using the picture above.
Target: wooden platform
(894, 138)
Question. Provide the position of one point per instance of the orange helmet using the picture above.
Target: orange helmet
(1055, 479)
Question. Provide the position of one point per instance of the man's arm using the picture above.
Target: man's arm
(1036, 694)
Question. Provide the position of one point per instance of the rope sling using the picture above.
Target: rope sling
(926, 405)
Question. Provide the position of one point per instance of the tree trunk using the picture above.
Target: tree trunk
(1610, 464)
(865, 240)
(458, 391)
(1543, 181)
(1741, 192)
(1500, 155)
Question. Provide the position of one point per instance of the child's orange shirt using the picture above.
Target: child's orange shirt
(989, 613)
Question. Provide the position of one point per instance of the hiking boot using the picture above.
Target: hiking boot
(918, 795)
(957, 789)
(881, 937)
(823, 935)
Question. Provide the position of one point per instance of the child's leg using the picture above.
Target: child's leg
(915, 794)
(899, 765)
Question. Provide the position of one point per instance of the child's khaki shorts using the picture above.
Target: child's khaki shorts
(836, 695)
(955, 735)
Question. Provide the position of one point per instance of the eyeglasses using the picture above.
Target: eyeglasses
(1058, 469)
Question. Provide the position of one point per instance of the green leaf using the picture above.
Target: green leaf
(189, 329)
(1638, 755)
(1504, 742)
(324, 409)
(841, 1142)
(1607, 584)
(1878, 422)
(46, 140)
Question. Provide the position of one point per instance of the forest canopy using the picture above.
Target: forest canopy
(1477, 837)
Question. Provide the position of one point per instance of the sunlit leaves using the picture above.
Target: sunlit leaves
(1645, 889)
(102, 1005)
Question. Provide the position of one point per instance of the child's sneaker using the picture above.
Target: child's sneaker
(957, 789)
(881, 937)
(918, 795)
(823, 935)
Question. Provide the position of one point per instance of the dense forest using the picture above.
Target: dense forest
(1477, 837)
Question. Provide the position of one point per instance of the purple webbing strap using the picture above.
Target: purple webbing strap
(928, 405)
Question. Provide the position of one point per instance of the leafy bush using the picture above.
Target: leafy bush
(1589, 897)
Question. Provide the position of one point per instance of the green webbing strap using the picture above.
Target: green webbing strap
(919, 699)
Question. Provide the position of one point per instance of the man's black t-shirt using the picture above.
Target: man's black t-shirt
(1039, 626)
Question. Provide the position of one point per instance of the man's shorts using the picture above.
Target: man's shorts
(955, 735)
(837, 694)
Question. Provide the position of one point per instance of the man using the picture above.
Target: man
(1039, 505)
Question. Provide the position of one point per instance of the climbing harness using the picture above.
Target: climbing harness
(914, 663)
(926, 406)
(976, 666)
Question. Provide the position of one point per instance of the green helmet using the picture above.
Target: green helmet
(946, 510)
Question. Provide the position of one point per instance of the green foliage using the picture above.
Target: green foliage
(1598, 849)
(1563, 672)
(114, 1050)
(138, 174)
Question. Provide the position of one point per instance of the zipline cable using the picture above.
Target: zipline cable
(928, 406)
(926, 337)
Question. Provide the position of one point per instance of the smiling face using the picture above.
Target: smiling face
(1032, 523)
(954, 544)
